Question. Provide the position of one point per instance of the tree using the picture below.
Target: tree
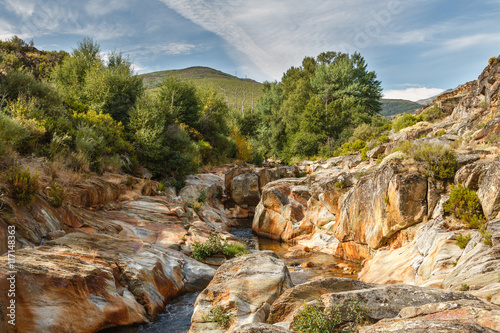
(347, 77)
(181, 101)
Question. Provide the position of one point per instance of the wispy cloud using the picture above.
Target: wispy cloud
(102, 8)
(174, 48)
(22, 8)
(210, 18)
(464, 43)
(412, 94)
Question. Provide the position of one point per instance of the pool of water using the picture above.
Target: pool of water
(175, 319)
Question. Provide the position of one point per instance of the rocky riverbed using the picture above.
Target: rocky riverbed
(118, 251)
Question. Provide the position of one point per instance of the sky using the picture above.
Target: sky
(418, 48)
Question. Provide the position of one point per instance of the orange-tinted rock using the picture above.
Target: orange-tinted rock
(380, 205)
(85, 283)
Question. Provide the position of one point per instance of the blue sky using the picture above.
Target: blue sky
(417, 48)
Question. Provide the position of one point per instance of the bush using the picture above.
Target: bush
(24, 186)
(218, 317)
(56, 194)
(462, 241)
(214, 245)
(431, 114)
(441, 162)
(404, 120)
(464, 204)
(311, 319)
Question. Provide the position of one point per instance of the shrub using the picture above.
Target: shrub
(202, 196)
(433, 113)
(24, 186)
(56, 194)
(492, 60)
(464, 287)
(218, 317)
(214, 245)
(464, 204)
(441, 162)
(441, 132)
(351, 148)
(404, 120)
(462, 241)
(311, 319)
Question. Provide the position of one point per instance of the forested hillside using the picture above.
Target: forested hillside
(239, 94)
(391, 107)
(92, 115)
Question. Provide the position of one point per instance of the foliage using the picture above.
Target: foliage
(404, 120)
(312, 319)
(162, 145)
(441, 132)
(56, 194)
(218, 317)
(441, 162)
(432, 114)
(24, 187)
(214, 245)
(243, 148)
(464, 204)
(462, 241)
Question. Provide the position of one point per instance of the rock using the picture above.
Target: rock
(489, 190)
(261, 328)
(381, 205)
(464, 159)
(95, 192)
(375, 152)
(469, 175)
(244, 287)
(434, 259)
(281, 210)
(459, 316)
(88, 282)
(56, 234)
(194, 185)
(428, 326)
(245, 189)
(284, 307)
(387, 301)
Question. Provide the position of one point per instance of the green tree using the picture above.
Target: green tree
(179, 98)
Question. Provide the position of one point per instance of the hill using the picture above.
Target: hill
(237, 92)
(392, 107)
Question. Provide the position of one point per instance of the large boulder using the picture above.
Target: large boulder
(455, 316)
(381, 204)
(489, 190)
(245, 189)
(88, 282)
(281, 211)
(292, 299)
(434, 259)
(244, 287)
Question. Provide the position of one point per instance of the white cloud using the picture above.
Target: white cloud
(412, 94)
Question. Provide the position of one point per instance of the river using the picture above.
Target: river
(177, 315)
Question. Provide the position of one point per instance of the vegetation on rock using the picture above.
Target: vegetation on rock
(24, 186)
(215, 245)
(312, 319)
(464, 204)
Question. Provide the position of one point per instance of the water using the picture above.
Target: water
(175, 319)
(177, 316)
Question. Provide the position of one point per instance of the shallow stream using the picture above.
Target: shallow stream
(177, 316)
